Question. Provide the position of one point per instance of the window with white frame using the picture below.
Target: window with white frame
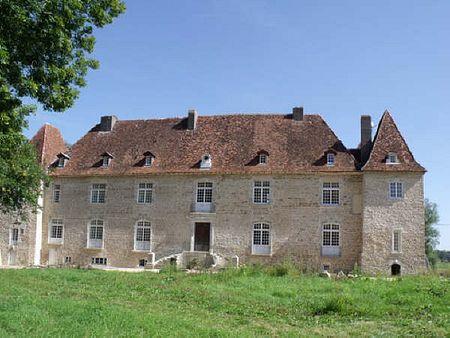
(99, 260)
(330, 239)
(13, 236)
(98, 193)
(142, 236)
(330, 193)
(204, 192)
(56, 231)
(148, 161)
(56, 193)
(261, 239)
(392, 158)
(330, 159)
(95, 234)
(145, 193)
(262, 158)
(261, 192)
(105, 161)
(396, 190)
(396, 241)
(61, 162)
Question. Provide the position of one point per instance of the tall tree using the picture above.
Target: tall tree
(45, 48)
(431, 233)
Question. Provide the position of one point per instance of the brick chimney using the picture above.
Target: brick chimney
(366, 137)
(297, 113)
(107, 122)
(192, 119)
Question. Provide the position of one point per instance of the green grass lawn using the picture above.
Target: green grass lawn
(246, 302)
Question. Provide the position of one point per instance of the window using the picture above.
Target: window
(145, 193)
(99, 260)
(95, 240)
(330, 193)
(204, 192)
(330, 159)
(396, 241)
(261, 239)
(392, 158)
(105, 161)
(13, 236)
(56, 193)
(67, 260)
(142, 262)
(330, 240)
(261, 192)
(143, 236)
(206, 162)
(56, 231)
(148, 161)
(61, 162)
(98, 193)
(396, 190)
(262, 159)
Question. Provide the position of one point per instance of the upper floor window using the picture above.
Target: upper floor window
(262, 158)
(148, 159)
(98, 193)
(204, 192)
(206, 162)
(13, 236)
(106, 159)
(56, 231)
(396, 190)
(261, 192)
(142, 236)
(330, 240)
(56, 193)
(330, 193)
(145, 193)
(62, 160)
(330, 159)
(95, 234)
(261, 239)
(396, 241)
(392, 158)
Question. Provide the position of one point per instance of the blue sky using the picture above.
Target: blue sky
(340, 59)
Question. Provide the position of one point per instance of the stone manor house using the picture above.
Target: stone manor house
(225, 189)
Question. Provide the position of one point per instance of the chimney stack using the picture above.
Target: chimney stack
(366, 137)
(107, 122)
(297, 113)
(192, 119)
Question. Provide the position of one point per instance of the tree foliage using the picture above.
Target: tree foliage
(431, 233)
(45, 48)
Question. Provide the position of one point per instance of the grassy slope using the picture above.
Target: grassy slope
(245, 303)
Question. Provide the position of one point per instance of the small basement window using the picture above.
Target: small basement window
(99, 260)
(142, 262)
(68, 260)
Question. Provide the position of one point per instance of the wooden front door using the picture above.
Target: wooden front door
(202, 235)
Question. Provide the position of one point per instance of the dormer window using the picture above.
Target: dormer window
(392, 158)
(330, 159)
(148, 159)
(205, 162)
(62, 160)
(263, 157)
(106, 159)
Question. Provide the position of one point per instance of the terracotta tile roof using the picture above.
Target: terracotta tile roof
(48, 142)
(233, 141)
(388, 139)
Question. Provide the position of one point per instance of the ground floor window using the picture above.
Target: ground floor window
(142, 236)
(95, 234)
(13, 236)
(396, 241)
(331, 240)
(56, 231)
(261, 239)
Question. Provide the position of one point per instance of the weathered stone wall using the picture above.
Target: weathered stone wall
(295, 214)
(21, 254)
(382, 215)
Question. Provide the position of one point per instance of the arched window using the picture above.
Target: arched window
(396, 269)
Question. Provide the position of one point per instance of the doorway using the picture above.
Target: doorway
(395, 269)
(202, 236)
